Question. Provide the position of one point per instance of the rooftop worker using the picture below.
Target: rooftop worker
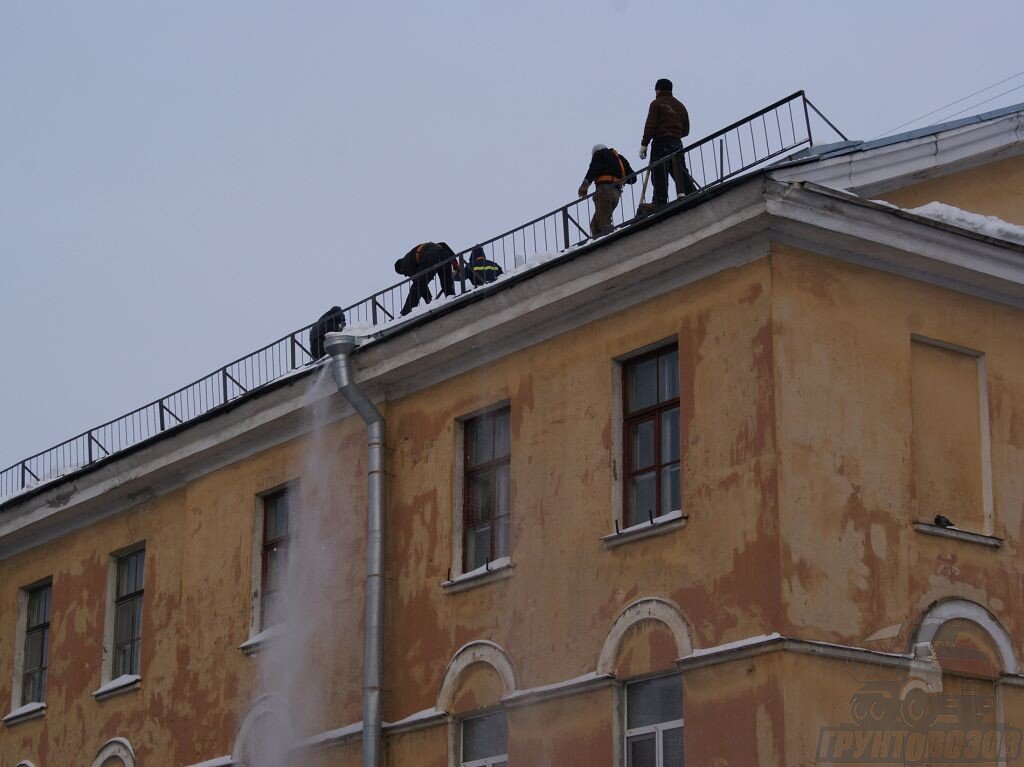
(608, 171)
(667, 124)
(330, 321)
(480, 270)
(422, 263)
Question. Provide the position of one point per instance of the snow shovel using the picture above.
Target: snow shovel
(644, 209)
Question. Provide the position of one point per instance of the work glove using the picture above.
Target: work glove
(643, 153)
(583, 189)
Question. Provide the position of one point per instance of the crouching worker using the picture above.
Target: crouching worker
(330, 321)
(480, 270)
(422, 263)
(608, 171)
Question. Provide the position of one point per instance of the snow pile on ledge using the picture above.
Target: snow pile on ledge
(990, 226)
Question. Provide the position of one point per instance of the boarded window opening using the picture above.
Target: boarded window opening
(950, 435)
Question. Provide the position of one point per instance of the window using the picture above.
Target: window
(650, 386)
(117, 752)
(485, 501)
(274, 561)
(485, 741)
(128, 612)
(37, 645)
(654, 722)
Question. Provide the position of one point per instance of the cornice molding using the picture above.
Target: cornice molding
(730, 230)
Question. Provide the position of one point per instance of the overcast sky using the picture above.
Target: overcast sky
(183, 182)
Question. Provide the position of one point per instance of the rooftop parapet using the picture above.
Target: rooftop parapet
(740, 148)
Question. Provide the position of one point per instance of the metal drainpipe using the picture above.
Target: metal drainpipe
(340, 346)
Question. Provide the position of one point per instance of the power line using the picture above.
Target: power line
(986, 101)
(953, 103)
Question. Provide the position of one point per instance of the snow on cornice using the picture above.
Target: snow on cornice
(990, 226)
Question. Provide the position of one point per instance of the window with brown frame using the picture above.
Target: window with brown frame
(485, 488)
(37, 645)
(276, 530)
(650, 387)
(128, 612)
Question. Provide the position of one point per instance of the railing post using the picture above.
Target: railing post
(373, 310)
(291, 349)
(721, 159)
(160, 411)
(22, 476)
(565, 227)
(224, 383)
(807, 119)
(88, 444)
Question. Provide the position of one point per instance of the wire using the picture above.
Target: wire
(953, 103)
(986, 101)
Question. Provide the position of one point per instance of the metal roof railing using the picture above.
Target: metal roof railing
(736, 149)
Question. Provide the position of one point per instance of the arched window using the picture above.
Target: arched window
(266, 730)
(478, 677)
(117, 752)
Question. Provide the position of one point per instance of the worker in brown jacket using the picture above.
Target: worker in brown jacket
(667, 124)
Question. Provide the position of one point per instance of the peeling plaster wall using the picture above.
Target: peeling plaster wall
(993, 189)
(553, 614)
(565, 731)
(196, 684)
(419, 748)
(817, 694)
(734, 713)
(797, 479)
(851, 560)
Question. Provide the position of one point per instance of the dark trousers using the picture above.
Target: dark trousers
(662, 147)
(419, 287)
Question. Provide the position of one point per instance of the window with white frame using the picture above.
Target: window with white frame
(37, 645)
(484, 741)
(654, 722)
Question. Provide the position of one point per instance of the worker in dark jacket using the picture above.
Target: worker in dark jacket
(608, 171)
(330, 321)
(480, 271)
(668, 123)
(422, 264)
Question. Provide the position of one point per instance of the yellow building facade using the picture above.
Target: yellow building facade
(717, 454)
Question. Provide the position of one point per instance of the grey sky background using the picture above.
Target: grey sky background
(181, 183)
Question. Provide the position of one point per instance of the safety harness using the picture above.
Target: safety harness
(613, 179)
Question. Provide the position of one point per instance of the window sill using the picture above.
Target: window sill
(960, 535)
(496, 570)
(256, 643)
(25, 713)
(666, 523)
(124, 683)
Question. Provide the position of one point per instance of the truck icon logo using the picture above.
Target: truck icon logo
(937, 708)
